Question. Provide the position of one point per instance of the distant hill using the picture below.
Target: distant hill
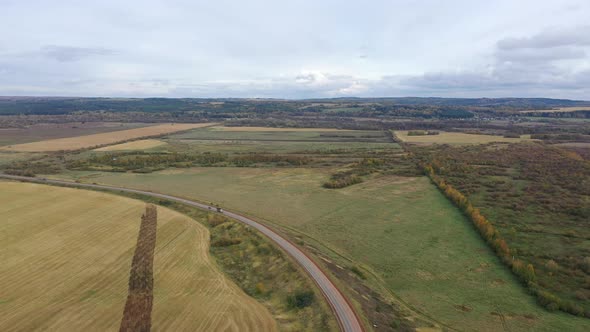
(66, 105)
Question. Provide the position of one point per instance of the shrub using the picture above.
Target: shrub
(215, 219)
(343, 182)
(225, 242)
(552, 266)
(261, 288)
(358, 272)
(548, 300)
(300, 299)
(582, 294)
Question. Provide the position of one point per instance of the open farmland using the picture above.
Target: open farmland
(271, 129)
(143, 144)
(381, 224)
(25, 133)
(65, 274)
(455, 138)
(81, 142)
(461, 283)
(282, 134)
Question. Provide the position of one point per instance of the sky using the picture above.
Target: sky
(295, 49)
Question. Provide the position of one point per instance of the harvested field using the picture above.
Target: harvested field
(143, 144)
(273, 129)
(456, 138)
(66, 261)
(45, 131)
(81, 142)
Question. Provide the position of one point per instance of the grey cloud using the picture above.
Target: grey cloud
(556, 37)
(547, 54)
(451, 81)
(501, 81)
(70, 54)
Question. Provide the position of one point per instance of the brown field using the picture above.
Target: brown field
(561, 110)
(274, 129)
(456, 138)
(44, 131)
(66, 261)
(81, 142)
(143, 144)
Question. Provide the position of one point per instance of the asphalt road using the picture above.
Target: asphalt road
(347, 319)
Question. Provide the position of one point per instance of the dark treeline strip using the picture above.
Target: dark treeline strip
(148, 162)
(138, 308)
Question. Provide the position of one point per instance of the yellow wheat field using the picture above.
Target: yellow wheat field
(143, 144)
(457, 138)
(81, 142)
(66, 255)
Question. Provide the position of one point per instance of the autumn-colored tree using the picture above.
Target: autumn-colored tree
(501, 247)
(530, 273)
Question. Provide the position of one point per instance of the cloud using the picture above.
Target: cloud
(549, 45)
(556, 37)
(549, 63)
(71, 54)
(297, 49)
(545, 54)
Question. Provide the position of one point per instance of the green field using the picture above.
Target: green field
(244, 146)
(218, 133)
(456, 138)
(402, 229)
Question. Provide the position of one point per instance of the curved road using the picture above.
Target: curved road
(347, 318)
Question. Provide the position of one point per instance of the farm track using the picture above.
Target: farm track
(342, 308)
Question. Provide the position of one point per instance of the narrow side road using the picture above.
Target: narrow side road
(345, 315)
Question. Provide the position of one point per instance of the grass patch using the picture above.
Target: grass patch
(282, 134)
(453, 138)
